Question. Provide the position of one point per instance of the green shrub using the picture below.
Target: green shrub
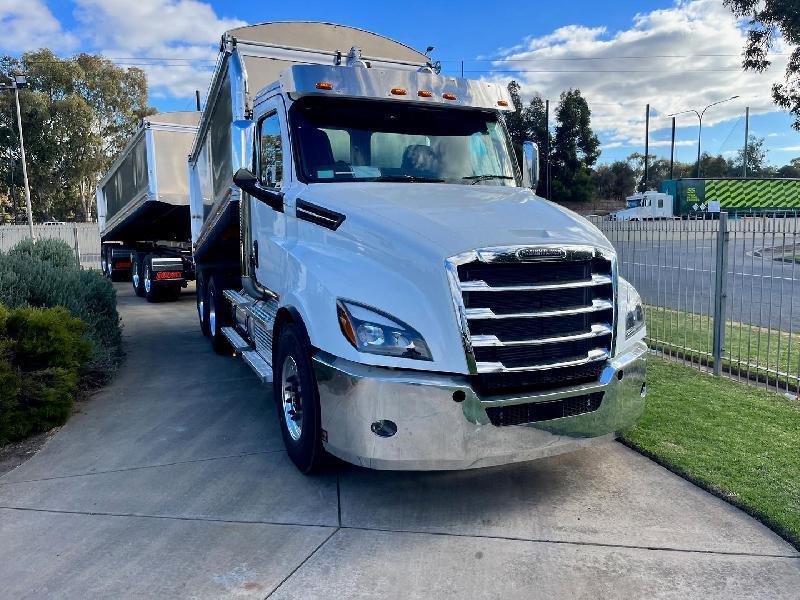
(39, 279)
(55, 252)
(42, 355)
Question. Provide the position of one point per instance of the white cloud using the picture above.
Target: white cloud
(789, 149)
(175, 41)
(682, 57)
(29, 25)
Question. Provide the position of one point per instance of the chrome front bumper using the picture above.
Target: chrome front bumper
(435, 432)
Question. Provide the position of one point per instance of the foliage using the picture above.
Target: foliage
(767, 18)
(77, 114)
(575, 149)
(42, 354)
(54, 252)
(614, 181)
(792, 170)
(734, 440)
(529, 123)
(28, 279)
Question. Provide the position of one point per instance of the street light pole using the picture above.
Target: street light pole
(18, 82)
(24, 164)
(700, 127)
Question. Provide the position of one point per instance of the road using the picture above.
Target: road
(679, 272)
(172, 482)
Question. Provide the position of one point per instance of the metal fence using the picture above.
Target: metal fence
(84, 238)
(721, 293)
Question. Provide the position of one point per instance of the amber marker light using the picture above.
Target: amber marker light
(502, 103)
(324, 85)
(425, 94)
(449, 96)
(345, 325)
(399, 91)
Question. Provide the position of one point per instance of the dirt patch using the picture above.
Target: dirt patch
(13, 455)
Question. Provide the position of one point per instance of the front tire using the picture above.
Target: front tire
(297, 400)
(217, 317)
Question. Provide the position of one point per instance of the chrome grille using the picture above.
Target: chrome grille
(535, 308)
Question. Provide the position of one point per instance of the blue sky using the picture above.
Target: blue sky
(673, 54)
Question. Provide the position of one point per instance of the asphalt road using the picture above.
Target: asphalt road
(680, 274)
(173, 483)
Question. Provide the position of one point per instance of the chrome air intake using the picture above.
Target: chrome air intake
(535, 316)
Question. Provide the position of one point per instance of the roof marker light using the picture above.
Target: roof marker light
(502, 103)
(448, 96)
(398, 91)
(324, 85)
(425, 94)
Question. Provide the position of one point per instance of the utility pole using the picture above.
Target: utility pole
(746, 140)
(646, 147)
(18, 82)
(547, 149)
(672, 152)
(700, 128)
(197, 100)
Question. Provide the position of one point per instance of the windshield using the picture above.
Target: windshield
(368, 140)
(634, 202)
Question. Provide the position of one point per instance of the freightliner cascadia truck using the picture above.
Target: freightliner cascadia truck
(701, 198)
(143, 208)
(366, 241)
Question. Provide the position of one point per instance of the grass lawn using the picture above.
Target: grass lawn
(690, 336)
(738, 442)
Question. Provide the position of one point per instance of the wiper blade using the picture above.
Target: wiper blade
(476, 178)
(411, 178)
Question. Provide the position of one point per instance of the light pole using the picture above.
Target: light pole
(18, 82)
(700, 128)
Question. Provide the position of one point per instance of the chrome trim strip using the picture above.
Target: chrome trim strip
(461, 313)
(482, 286)
(492, 341)
(593, 356)
(488, 313)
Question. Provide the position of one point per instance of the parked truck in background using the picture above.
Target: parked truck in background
(700, 198)
(143, 208)
(366, 241)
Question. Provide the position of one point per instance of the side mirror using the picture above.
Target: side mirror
(248, 182)
(530, 165)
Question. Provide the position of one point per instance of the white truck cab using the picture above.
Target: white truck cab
(645, 207)
(368, 244)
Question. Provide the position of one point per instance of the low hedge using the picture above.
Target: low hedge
(45, 275)
(43, 353)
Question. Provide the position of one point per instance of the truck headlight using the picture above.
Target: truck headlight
(633, 310)
(370, 330)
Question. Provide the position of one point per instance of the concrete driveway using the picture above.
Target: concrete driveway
(173, 482)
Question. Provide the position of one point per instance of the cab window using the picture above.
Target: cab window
(270, 152)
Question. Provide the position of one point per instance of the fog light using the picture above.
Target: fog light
(384, 428)
(643, 393)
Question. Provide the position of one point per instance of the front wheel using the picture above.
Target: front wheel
(137, 278)
(218, 316)
(297, 400)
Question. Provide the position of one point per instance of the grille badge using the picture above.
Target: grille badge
(540, 253)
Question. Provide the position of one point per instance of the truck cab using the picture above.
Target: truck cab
(645, 207)
(412, 302)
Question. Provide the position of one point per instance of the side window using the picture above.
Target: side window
(270, 152)
(660, 203)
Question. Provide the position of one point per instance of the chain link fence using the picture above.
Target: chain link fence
(83, 237)
(720, 293)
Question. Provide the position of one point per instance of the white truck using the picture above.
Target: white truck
(366, 241)
(645, 206)
(143, 208)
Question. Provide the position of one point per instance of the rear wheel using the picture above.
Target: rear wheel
(150, 290)
(202, 307)
(297, 400)
(218, 317)
(137, 278)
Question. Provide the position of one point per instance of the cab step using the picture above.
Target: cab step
(237, 299)
(236, 341)
(262, 368)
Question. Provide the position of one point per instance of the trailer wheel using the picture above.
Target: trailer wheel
(202, 306)
(218, 317)
(297, 400)
(150, 290)
(137, 277)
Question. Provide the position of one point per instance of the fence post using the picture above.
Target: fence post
(720, 291)
(77, 245)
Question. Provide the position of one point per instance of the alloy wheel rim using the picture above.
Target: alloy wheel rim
(147, 279)
(212, 316)
(292, 398)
